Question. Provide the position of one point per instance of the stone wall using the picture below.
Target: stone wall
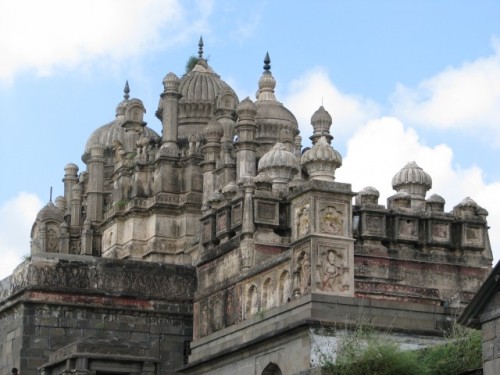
(49, 303)
(490, 329)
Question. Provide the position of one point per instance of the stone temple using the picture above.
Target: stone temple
(222, 246)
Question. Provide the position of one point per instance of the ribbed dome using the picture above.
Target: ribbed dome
(321, 161)
(279, 163)
(202, 84)
(412, 179)
(171, 82)
(213, 131)
(50, 212)
(246, 108)
(321, 122)
(113, 131)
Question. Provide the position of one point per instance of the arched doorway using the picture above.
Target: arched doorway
(272, 369)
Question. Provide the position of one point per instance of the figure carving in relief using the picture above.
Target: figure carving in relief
(119, 151)
(331, 279)
(440, 231)
(305, 274)
(331, 221)
(51, 240)
(303, 221)
(194, 144)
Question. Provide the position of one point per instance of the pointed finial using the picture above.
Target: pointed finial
(200, 48)
(267, 62)
(50, 196)
(126, 91)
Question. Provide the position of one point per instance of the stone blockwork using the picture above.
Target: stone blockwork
(52, 302)
(226, 232)
(484, 313)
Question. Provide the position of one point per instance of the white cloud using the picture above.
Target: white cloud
(315, 88)
(378, 150)
(17, 215)
(465, 97)
(45, 35)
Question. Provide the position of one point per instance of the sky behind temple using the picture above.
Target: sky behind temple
(403, 81)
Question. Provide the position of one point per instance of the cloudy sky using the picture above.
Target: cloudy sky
(403, 80)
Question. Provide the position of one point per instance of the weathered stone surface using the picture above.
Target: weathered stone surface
(225, 232)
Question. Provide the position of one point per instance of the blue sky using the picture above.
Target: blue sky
(403, 80)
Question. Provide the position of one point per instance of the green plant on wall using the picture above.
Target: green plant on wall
(364, 351)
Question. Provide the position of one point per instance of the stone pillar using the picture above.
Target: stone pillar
(210, 150)
(246, 146)
(95, 190)
(247, 245)
(69, 180)
(87, 238)
(64, 239)
(76, 205)
(169, 104)
(227, 163)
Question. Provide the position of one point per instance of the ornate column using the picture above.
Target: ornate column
(211, 149)
(95, 189)
(246, 146)
(247, 245)
(70, 179)
(168, 111)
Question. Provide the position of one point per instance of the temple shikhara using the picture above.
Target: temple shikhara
(222, 246)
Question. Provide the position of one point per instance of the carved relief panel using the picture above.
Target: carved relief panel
(373, 225)
(222, 221)
(266, 212)
(333, 268)
(301, 216)
(472, 235)
(331, 218)
(439, 232)
(236, 214)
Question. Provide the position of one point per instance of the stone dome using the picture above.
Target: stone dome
(202, 84)
(272, 116)
(321, 121)
(213, 131)
(113, 131)
(367, 196)
(71, 168)
(321, 161)
(50, 212)
(279, 163)
(171, 82)
(108, 134)
(435, 198)
(246, 108)
(412, 179)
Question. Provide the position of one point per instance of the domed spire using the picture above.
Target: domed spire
(200, 48)
(126, 91)
(321, 121)
(267, 83)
